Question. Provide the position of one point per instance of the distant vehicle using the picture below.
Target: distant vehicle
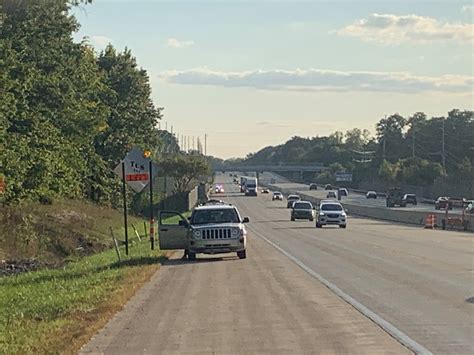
(291, 199)
(219, 189)
(371, 194)
(213, 202)
(331, 212)
(211, 229)
(302, 210)
(265, 191)
(277, 195)
(243, 179)
(251, 185)
(442, 203)
(328, 187)
(394, 197)
(313, 186)
(344, 192)
(470, 207)
(409, 199)
(331, 194)
(272, 181)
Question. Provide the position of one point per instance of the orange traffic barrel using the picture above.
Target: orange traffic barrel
(430, 221)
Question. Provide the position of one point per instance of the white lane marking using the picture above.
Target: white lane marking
(385, 325)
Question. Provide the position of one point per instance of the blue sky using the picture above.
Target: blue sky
(255, 73)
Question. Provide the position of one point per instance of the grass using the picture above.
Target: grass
(65, 230)
(57, 310)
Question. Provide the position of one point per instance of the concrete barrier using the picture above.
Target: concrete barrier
(387, 214)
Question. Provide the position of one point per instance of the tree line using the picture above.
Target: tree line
(411, 150)
(67, 114)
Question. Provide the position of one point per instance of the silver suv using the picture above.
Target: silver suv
(331, 212)
(212, 229)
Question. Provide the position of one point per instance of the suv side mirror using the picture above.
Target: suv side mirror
(246, 220)
(183, 223)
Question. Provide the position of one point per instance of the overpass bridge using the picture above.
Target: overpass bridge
(296, 171)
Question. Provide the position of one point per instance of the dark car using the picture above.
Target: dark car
(291, 199)
(302, 210)
(313, 186)
(443, 202)
(409, 199)
(328, 187)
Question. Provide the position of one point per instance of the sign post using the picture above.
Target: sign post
(152, 218)
(124, 193)
(136, 170)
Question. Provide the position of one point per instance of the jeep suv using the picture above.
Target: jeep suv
(211, 229)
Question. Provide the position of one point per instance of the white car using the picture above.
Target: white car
(371, 194)
(331, 194)
(331, 212)
(277, 195)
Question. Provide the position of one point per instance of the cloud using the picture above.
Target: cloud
(174, 43)
(392, 30)
(468, 8)
(314, 80)
(100, 41)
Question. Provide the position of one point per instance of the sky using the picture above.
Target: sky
(250, 74)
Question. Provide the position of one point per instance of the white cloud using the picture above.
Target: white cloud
(322, 80)
(392, 29)
(174, 43)
(100, 41)
(468, 8)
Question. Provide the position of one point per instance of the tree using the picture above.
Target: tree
(132, 118)
(390, 136)
(186, 169)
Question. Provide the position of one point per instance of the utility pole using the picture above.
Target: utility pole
(166, 126)
(383, 148)
(205, 144)
(171, 129)
(443, 151)
(194, 146)
(413, 143)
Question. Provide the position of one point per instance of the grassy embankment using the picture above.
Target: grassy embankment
(57, 310)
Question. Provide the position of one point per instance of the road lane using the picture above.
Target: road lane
(419, 280)
(264, 304)
(353, 198)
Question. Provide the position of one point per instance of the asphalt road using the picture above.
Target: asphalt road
(421, 281)
(264, 304)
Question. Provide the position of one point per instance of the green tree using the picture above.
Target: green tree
(186, 169)
(132, 118)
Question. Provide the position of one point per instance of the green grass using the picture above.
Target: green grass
(57, 310)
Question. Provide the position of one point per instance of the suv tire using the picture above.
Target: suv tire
(242, 254)
(318, 225)
(191, 256)
(292, 219)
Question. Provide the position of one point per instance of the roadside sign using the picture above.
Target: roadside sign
(137, 174)
(343, 176)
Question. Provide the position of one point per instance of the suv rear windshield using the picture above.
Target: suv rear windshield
(331, 207)
(293, 197)
(303, 206)
(205, 216)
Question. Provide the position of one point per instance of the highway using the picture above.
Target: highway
(353, 198)
(419, 281)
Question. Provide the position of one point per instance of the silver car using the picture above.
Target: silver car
(331, 212)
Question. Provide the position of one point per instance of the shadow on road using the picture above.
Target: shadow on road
(199, 260)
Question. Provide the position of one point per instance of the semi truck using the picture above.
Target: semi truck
(251, 185)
